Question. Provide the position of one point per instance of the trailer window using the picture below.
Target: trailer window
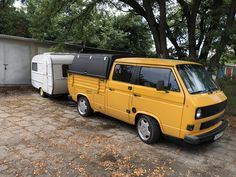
(34, 66)
(122, 73)
(65, 69)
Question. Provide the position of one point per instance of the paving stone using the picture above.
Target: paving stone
(3, 152)
(33, 129)
(23, 123)
(71, 116)
(3, 167)
(4, 115)
(46, 137)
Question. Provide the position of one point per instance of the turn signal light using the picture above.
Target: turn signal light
(190, 127)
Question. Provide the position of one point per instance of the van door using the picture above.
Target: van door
(166, 106)
(119, 92)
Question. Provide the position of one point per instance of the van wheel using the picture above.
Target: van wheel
(148, 129)
(42, 93)
(83, 107)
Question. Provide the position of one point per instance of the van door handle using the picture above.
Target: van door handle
(111, 89)
(89, 91)
(137, 95)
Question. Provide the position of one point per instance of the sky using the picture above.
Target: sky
(17, 4)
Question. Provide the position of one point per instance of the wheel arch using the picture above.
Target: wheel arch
(150, 115)
(80, 95)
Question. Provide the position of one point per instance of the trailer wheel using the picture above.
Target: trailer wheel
(83, 107)
(42, 93)
(148, 129)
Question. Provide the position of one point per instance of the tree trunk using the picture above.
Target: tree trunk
(190, 13)
(191, 39)
(150, 18)
(147, 12)
(164, 51)
(191, 27)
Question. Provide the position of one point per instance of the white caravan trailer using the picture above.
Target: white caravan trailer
(49, 73)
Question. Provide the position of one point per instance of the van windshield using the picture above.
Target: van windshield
(196, 79)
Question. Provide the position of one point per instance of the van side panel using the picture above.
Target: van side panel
(92, 88)
(99, 97)
(167, 107)
(71, 87)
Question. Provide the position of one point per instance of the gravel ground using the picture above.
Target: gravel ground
(47, 137)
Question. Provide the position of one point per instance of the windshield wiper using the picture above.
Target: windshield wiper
(200, 91)
(211, 90)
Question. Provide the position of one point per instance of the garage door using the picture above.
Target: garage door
(14, 64)
(1, 64)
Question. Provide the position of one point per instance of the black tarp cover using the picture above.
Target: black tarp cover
(95, 65)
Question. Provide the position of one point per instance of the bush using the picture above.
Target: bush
(229, 88)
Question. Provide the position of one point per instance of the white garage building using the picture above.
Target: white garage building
(16, 54)
(15, 57)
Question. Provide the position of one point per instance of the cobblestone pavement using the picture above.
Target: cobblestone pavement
(47, 137)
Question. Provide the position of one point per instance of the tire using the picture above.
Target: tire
(42, 93)
(148, 129)
(83, 107)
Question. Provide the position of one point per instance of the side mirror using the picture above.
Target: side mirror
(160, 85)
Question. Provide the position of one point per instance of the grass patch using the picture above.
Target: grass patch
(229, 88)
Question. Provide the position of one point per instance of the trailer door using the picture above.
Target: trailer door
(43, 69)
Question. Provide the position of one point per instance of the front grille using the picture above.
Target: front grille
(211, 122)
(211, 110)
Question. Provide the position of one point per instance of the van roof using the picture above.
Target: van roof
(154, 61)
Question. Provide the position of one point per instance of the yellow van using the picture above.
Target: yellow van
(158, 96)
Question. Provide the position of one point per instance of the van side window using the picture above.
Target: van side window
(65, 69)
(34, 66)
(173, 85)
(122, 73)
(149, 76)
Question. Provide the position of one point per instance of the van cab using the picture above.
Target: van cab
(158, 96)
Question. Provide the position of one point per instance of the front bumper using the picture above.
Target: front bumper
(198, 139)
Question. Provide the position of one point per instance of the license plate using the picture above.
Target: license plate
(217, 136)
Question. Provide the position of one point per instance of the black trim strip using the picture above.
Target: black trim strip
(206, 136)
(86, 74)
(212, 122)
(211, 110)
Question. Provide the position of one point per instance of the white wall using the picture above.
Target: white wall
(17, 54)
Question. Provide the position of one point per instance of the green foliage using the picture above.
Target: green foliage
(58, 48)
(97, 23)
(13, 21)
(82, 22)
(124, 32)
(229, 86)
(229, 56)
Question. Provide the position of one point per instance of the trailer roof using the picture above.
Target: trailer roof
(54, 58)
(62, 58)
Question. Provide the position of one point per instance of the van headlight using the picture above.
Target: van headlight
(198, 113)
